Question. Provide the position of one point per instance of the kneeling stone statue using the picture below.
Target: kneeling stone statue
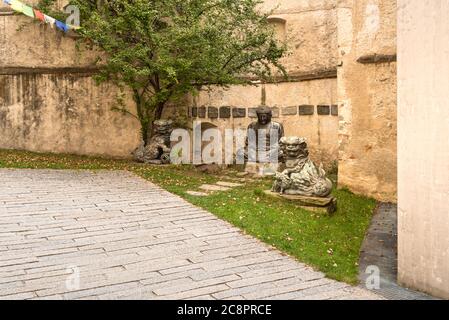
(301, 176)
(157, 150)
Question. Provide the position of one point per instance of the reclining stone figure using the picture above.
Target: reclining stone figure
(157, 150)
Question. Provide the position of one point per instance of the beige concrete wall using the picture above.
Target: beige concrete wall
(311, 33)
(25, 42)
(44, 107)
(63, 114)
(423, 147)
(367, 97)
(310, 29)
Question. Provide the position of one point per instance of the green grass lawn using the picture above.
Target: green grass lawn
(331, 244)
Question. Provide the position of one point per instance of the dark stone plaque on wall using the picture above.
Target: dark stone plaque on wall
(212, 112)
(225, 112)
(306, 110)
(334, 110)
(239, 112)
(323, 110)
(202, 112)
(289, 111)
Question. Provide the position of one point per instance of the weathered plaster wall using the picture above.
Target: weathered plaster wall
(367, 97)
(423, 148)
(25, 42)
(48, 99)
(311, 33)
(52, 63)
(63, 114)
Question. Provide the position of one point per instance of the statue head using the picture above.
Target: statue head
(264, 115)
(163, 127)
(294, 147)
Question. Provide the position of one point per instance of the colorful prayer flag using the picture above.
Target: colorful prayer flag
(62, 26)
(27, 10)
(39, 15)
(51, 21)
(16, 5)
(73, 27)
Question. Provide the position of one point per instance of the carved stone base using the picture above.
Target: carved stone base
(262, 169)
(322, 205)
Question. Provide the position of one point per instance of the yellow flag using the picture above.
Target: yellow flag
(71, 26)
(17, 5)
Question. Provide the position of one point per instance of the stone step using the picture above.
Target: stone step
(228, 184)
(197, 193)
(212, 187)
(242, 174)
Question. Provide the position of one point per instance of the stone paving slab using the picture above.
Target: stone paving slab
(197, 193)
(229, 184)
(380, 250)
(213, 187)
(112, 235)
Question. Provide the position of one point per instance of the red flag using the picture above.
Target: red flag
(39, 15)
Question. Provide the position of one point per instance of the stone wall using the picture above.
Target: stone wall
(63, 113)
(311, 34)
(48, 99)
(308, 109)
(367, 97)
(49, 102)
(423, 149)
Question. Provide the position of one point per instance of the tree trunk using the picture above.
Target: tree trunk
(157, 116)
(145, 127)
(144, 123)
(159, 109)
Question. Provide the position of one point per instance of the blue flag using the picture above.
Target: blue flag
(61, 26)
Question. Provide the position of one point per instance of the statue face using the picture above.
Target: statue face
(294, 147)
(162, 126)
(264, 118)
(293, 150)
(161, 130)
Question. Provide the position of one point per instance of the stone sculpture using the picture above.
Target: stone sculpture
(301, 176)
(264, 149)
(157, 150)
(261, 152)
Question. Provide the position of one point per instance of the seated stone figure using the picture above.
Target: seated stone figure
(157, 150)
(301, 176)
(265, 135)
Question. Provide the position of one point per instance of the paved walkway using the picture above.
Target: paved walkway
(380, 248)
(112, 235)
